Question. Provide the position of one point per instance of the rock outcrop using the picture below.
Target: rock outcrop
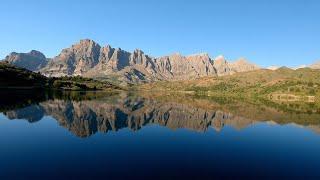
(75, 60)
(178, 67)
(242, 65)
(222, 66)
(33, 61)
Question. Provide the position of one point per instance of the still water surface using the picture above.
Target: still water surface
(160, 137)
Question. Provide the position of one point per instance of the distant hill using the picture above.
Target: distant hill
(33, 61)
(273, 67)
(88, 59)
(315, 65)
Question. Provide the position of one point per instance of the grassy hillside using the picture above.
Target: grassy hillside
(281, 84)
(19, 78)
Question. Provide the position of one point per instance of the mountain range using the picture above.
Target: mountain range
(87, 58)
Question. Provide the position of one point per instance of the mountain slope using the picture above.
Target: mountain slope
(315, 65)
(12, 76)
(75, 60)
(33, 61)
(284, 82)
(87, 58)
(242, 65)
(19, 78)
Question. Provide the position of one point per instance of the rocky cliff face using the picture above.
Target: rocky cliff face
(178, 67)
(75, 60)
(222, 66)
(87, 58)
(33, 61)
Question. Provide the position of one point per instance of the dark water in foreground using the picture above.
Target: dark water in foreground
(124, 136)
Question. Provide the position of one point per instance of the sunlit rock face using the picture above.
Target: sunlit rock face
(242, 65)
(178, 67)
(87, 58)
(222, 66)
(73, 61)
(225, 67)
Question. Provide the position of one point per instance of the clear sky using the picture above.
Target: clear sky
(267, 32)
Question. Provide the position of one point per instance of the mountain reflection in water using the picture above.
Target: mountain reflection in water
(85, 114)
(101, 135)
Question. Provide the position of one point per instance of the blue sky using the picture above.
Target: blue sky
(267, 32)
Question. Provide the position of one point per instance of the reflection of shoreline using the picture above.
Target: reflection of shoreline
(114, 112)
(88, 117)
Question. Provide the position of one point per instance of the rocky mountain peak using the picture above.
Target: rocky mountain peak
(108, 47)
(176, 55)
(241, 61)
(33, 60)
(88, 58)
(221, 65)
(12, 54)
(76, 60)
(220, 60)
(202, 55)
(138, 52)
(37, 54)
(105, 54)
(243, 65)
(86, 45)
(87, 41)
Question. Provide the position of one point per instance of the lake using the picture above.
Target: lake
(88, 135)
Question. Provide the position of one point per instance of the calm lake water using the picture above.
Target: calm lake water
(130, 136)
